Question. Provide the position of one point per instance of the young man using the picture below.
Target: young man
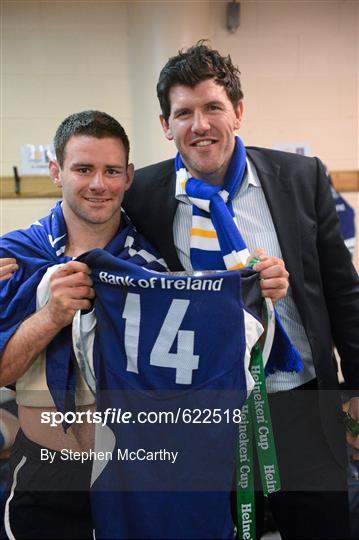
(282, 203)
(49, 497)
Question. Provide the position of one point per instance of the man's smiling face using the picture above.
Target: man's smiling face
(202, 124)
(93, 178)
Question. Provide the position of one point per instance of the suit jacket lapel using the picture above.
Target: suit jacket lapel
(281, 203)
(167, 206)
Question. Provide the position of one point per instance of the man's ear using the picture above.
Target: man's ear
(166, 128)
(239, 114)
(130, 173)
(55, 173)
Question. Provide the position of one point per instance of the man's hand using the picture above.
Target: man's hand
(274, 280)
(7, 268)
(353, 410)
(70, 290)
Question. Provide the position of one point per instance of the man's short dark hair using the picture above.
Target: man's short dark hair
(91, 123)
(196, 64)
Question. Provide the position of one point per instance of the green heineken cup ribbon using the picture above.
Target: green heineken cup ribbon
(351, 425)
(246, 528)
(255, 431)
(262, 426)
(253, 261)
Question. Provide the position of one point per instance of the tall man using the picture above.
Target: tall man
(49, 498)
(282, 203)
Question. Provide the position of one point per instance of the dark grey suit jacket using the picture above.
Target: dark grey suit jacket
(324, 282)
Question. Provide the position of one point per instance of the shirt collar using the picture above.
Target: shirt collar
(181, 176)
(251, 178)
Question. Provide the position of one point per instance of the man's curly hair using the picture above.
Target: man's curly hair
(196, 64)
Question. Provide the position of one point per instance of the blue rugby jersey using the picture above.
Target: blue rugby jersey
(165, 344)
(346, 217)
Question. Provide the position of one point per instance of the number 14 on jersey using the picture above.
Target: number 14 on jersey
(184, 361)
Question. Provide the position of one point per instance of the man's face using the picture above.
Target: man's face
(202, 124)
(94, 178)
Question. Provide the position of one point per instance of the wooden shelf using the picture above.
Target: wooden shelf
(345, 180)
(42, 186)
(30, 187)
